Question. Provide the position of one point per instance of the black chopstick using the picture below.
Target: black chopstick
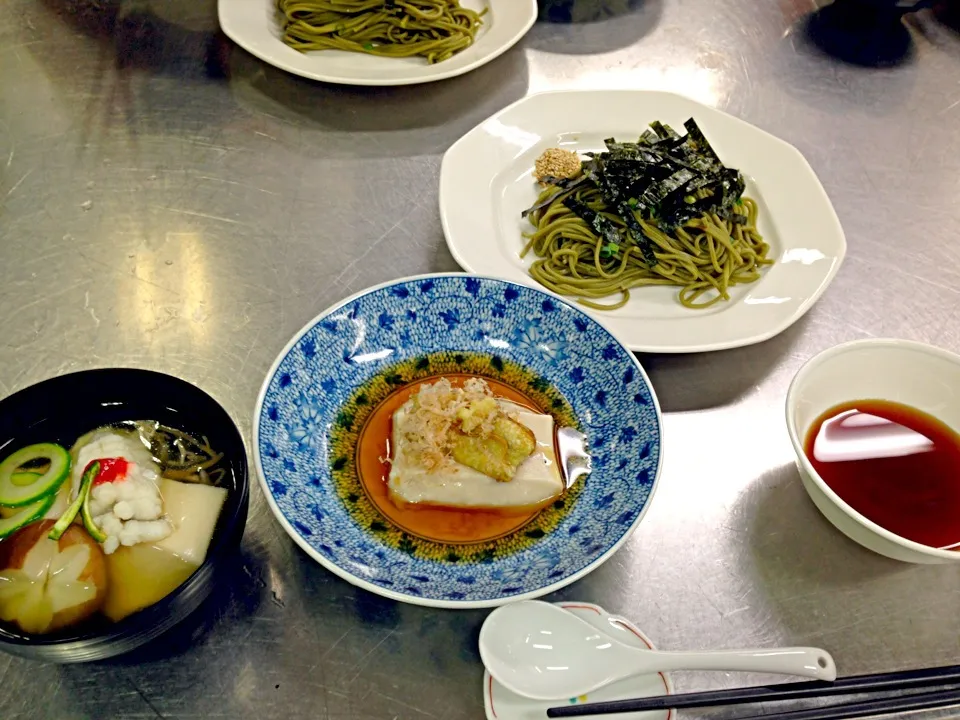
(873, 708)
(892, 681)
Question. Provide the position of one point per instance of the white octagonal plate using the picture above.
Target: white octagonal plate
(253, 25)
(485, 183)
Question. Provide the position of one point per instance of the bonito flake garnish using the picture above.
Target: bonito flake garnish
(465, 425)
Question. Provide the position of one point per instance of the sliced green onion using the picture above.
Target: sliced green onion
(609, 250)
(96, 533)
(93, 469)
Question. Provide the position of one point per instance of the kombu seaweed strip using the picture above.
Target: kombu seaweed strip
(567, 185)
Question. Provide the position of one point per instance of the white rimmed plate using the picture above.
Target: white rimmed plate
(485, 183)
(252, 24)
(502, 704)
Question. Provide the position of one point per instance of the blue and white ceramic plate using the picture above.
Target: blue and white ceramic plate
(330, 378)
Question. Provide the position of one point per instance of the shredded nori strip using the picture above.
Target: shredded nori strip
(625, 208)
(601, 226)
(663, 177)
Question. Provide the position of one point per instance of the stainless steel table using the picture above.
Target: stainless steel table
(168, 202)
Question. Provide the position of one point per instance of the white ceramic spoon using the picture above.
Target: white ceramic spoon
(545, 653)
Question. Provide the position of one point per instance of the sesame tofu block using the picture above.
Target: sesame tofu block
(537, 480)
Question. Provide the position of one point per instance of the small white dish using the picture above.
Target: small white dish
(501, 704)
(252, 24)
(911, 373)
(485, 183)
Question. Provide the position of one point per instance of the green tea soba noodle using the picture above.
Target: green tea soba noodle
(705, 257)
(663, 210)
(433, 29)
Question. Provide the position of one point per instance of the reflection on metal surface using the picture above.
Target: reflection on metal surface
(179, 268)
(697, 83)
(275, 198)
(276, 585)
(245, 683)
(195, 284)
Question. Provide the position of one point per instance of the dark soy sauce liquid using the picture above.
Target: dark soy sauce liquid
(894, 464)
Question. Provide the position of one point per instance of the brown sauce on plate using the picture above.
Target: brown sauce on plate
(894, 464)
(439, 524)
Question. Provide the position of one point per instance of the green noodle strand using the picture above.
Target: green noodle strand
(433, 29)
(705, 257)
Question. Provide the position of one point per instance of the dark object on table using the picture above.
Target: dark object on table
(948, 12)
(857, 684)
(66, 407)
(580, 11)
(886, 706)
(864, 32)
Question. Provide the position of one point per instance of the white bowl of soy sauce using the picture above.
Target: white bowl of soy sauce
(876, 428)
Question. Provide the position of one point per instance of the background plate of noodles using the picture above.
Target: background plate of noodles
(486, 183)
(258, 27)
(330, 378)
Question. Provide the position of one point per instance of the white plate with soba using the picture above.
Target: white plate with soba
(255, 26)
(486, 182)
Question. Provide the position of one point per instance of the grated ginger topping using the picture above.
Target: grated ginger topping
(441, 413)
